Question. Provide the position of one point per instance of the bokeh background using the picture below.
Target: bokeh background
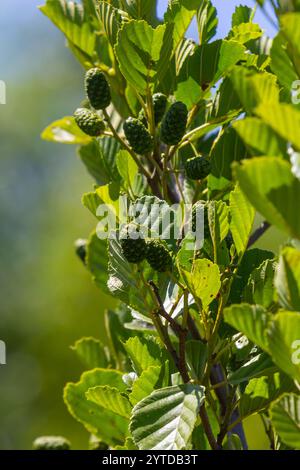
(47, 299)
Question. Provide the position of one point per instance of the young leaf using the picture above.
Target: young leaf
(252, 320)
(103, 423)
(145, 384)
(283, 337)
(285, 417)
(242, 218)
(111, 399)
(65, 131)
(165, 419)
(196, 356)
(242, 14)
(143, 353)
(128, 169)
(91, 351)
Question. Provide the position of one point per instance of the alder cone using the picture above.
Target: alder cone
(197, 168)
(134, 249)
(51, 443)
(158, 255)
(174, 123)
(137, 135)
(89, 122)
(97, 89)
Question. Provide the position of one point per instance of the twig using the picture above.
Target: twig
(173, 324)
(258, 233)
(207, 427)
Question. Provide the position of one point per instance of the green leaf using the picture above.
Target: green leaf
(129, 445)
(242, 218)
(252, 259)
(259, 137)
(227, 149)
(111, 19)
(143, 53)
(165, 419)
(272, 189)
(245, 32)
(72, 19)
(143, 353)
(261, 392)
(290, 25)
(210, 61)
(218, 219)
(207, 20)
(111, 399)
(98, 421)
(179, 14)
(196, 357)
(241, 14)
(101, 166)
(203, 281)
(97, 260)
(127, 168)
(287, 280)
(91, 351)
(284, 119)
(252, 320)
(140, 9)
(260, 287)
(65, 131)
(257, 366)
(285, 417)
(145, 384)
(283, 342)
(254, 88)
(281, 63)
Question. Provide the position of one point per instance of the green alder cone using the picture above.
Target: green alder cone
(158, 256)
(51, 443)
(89, 122)
(134, 249)
(197, 168)
(137, 135)
(160, 102)
(199, 206)
(97, 89)
(174, 124)
(80, 248)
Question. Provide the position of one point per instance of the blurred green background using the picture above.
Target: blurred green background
(47, 297)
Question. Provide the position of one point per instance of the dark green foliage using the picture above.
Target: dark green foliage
(174, 124)
(158, 255)
(197, 168)
(133, 244)
(97, 89)
(137, 135)
(89, 122)
(51, 443)
(200, 205)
